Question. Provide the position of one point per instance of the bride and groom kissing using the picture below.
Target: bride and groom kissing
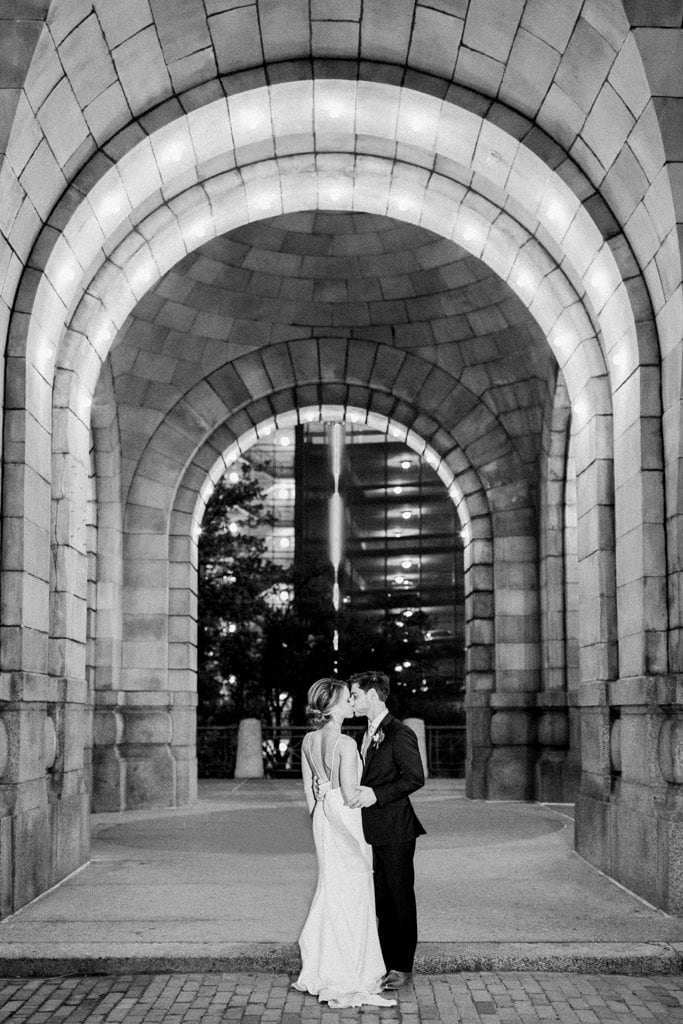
(359, 938)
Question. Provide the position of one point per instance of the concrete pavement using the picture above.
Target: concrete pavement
(225, 885)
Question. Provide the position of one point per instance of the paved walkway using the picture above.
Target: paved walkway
(225, 886)
(439, 999)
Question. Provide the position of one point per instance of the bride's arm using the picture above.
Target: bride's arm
(307, 776)
(348, 768)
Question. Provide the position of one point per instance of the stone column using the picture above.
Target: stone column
(637, 732)
(510, 769)
(418, 727)
(249, 762)
(552, 735)
(44, 834)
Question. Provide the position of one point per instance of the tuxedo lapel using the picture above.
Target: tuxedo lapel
(374, 747)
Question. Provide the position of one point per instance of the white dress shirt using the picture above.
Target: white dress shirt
(372, 728)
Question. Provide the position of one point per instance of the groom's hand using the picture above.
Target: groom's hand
(363, 797)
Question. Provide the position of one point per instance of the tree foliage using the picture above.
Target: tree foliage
(258, 656)
(235, 578)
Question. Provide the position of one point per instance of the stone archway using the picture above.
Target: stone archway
(166, 533)
(579, 299)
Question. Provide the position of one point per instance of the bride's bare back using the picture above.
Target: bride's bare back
(334, 755)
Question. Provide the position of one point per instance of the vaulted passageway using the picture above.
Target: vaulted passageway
(205, 235)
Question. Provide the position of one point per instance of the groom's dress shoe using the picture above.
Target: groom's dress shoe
(396, 979)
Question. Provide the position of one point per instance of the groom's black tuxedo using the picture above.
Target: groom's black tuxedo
(393, 769)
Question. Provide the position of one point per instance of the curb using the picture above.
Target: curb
(24, 961)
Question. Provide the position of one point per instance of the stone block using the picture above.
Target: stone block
(71, 834)
(550, 777)
(552, 21)
(32, 854)
(479, 658)
(479, 604)
(529, 73)
(23, 728)
(23, 649)
(147, 726)
(510, 774)
(87, 61)
(670, 866)
(185, 776)
(150, 777)
(143, 679)
(634, 860)
(491, 26)
(249, 762)
(593, 836)
(661, 52)
(108, 779)
(607, 125)
(6, 893)
(184, 726)
(518, 657)
(236, 39)
(336, 10)
(146, 91)
(553, 729)
(595, 741)
(62, 121)
(476, 775)
(435, 41)
(636, 752)
(75, 736)
(335, 38)
(122, 20)
(669, 739)
(512, 728)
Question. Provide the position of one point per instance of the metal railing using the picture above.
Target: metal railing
(282, 751)
(446, 751)
(217, 750)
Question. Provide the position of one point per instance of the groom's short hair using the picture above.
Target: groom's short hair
(377, 681)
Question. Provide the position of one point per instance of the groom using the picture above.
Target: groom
(392, 769)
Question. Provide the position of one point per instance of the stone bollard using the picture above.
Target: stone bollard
(249, 762)
(418, 727)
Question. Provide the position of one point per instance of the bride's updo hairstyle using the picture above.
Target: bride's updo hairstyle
(324, 695)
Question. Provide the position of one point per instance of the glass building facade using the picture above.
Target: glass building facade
(365, 505)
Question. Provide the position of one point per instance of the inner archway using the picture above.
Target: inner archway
(357, 543)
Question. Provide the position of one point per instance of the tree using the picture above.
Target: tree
(297, 640)
(396, 645)
(258, 655)
(235, 579)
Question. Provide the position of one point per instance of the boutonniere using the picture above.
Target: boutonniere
(377, 738)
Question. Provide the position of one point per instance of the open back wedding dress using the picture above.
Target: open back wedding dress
(340, 953)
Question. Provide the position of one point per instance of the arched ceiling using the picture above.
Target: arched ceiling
(334, 275)
(562, 78)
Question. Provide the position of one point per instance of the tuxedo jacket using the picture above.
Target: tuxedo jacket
(393, 769)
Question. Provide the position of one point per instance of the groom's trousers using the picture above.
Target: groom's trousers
(395, 903)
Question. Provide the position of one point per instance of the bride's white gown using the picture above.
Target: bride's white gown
(340, 953)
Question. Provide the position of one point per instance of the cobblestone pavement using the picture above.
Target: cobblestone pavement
(268, 998)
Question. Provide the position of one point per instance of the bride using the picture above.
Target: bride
(340, 953)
